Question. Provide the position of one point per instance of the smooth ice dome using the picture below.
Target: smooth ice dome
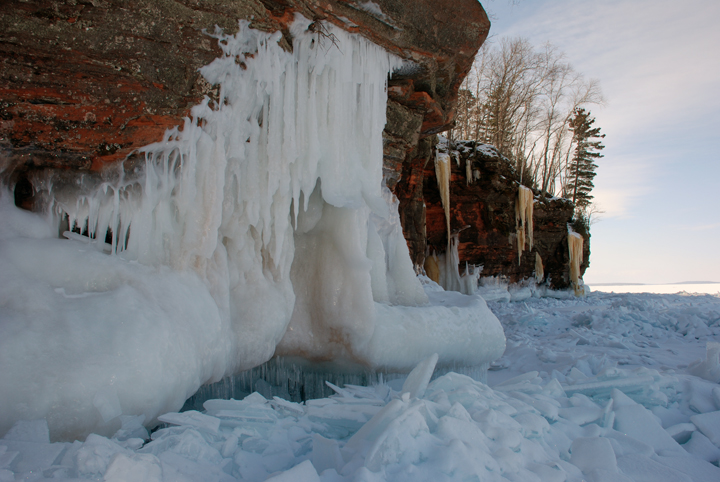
(261, 227)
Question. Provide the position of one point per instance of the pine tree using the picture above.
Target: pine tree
(581, 169)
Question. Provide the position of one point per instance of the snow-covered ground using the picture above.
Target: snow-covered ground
(603, 388)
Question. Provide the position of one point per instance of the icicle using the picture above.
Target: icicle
(524, 220)
(468, 172)
(432, 269)
(575, 248)
(449, 274)
(539, 270)
(443, 172)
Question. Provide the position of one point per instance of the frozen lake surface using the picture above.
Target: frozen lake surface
(672, 288)
(610, 387)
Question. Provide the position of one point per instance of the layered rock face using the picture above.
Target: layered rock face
(84, 84)
(483, 199)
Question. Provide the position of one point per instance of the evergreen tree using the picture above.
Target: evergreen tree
(581, 169)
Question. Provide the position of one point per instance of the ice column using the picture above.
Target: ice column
(539, 270)
(524, 220)
(443, 170)
(575, 248)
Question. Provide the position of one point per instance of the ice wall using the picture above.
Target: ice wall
(260, 227)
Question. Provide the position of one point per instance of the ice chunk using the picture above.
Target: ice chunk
(303, 472)
(589, 453)
(418, 379)
(581, 415)
(325, 453)
(700, 446)
(624, 445)
(494, 293)
(709, 368)
(374, 427)
(186, 442)
(637, 422)
(192, 418)
(8, 459)
(643, 469)
(520, 294)
(709, 425)
(696, 468)
(681, 432)
(132, 427)
(178, 468)
(107, 403)
(93, 457)
(136, 467)
(29, 431)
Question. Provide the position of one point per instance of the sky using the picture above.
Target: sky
(658, 63)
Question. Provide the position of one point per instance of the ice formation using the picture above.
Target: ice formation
(448, 271)
(709, 368)
(524, 220)
(590, 389)
(575, 252)
(443, 171)
(261, 227)
(539, 269)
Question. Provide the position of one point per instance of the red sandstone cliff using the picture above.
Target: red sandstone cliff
(84, 83)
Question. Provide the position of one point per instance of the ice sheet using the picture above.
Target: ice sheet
(527, 425)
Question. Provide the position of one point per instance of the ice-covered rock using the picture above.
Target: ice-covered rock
(260, 227)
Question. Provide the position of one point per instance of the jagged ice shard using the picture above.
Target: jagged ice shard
(261, 227)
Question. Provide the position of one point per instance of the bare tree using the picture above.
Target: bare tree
(520, 100)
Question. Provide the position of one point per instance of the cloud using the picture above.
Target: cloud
(695, 227)
(656, 60)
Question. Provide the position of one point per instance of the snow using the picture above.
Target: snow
(260, 228)
(595, 388)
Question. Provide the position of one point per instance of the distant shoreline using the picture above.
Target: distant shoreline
(657, 284)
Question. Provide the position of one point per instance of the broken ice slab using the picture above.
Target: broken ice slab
(603, 388)
(581, 415)
(192, 419)
(288, 408)
(528, 382)
(681, 432)
(304, 472)
(638, 422)
(418, 379)
(341, 419)
(643, 385)
(642, 467)
(700, 446)
(29, 431)
(26, 446)
(709, 425)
